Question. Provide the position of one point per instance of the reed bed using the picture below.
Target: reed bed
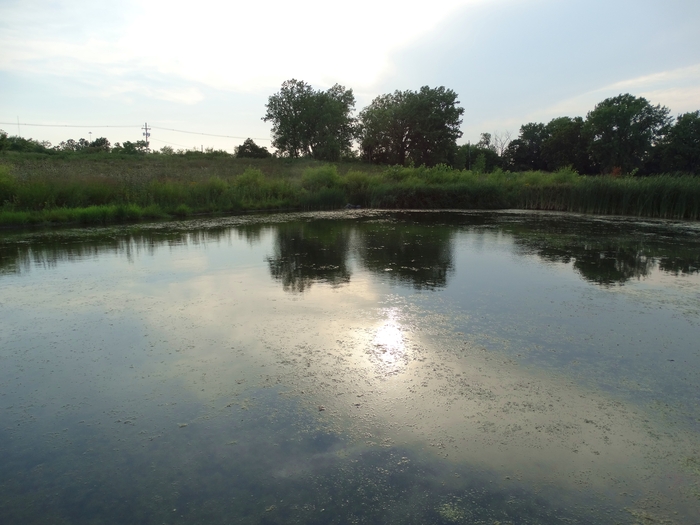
(94, 191)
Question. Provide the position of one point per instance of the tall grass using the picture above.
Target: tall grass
(91, 192)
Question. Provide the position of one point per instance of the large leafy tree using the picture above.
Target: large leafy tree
(384, 129)
(420, 126)
(313, 123)
(680, 150)
(566, 145)
(525, 152)
(623, 130)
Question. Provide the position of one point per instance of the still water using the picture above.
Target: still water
(352, 367)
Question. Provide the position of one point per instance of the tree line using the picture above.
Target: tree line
(622, 134)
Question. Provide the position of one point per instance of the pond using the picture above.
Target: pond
(352, 367)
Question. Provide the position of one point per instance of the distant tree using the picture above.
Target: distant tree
(477, 157)
(312, 123)
(99, 145)
(73, 145)
(566, 145)
(19, 144)
(485, 141)
(249, 149)
(501, 141)
(131, 148)
(623, 130)
(680, 151)
(525, 152)
(167, 150)
(421, 127)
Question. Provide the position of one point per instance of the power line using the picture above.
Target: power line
(63, 125)
(206, 134)
(135, 126)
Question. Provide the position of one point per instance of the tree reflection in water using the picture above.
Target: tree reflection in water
(408, 253)
(414, 249)
(310, 252)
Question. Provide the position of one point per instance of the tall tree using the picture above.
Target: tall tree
(420, 126)
(680, 151)
(306, 122)
(525, 152)
(623, 130)
(384, 129)
(566, 145)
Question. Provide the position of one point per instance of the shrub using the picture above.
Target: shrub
(314, 179)
(183, 210)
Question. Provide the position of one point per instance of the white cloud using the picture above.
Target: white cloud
(232, 46)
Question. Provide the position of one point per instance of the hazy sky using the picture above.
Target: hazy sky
(209, 66)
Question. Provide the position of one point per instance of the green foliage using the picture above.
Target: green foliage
(315, 179)
(134, 188)
(311, 123)
(183, 210)
(139, 147)
(99, 145)
(8, 185)
(73, 145)
(623, 131)
(325, 198)
(525, 152)
(249, 149)
(357, 186)
(250, 179)
(566, 144)
(680, 151)
(22, 145)
(407, 126)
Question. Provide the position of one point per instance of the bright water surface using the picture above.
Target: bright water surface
(353, 367)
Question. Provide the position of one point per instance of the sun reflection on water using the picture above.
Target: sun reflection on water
(389, 343)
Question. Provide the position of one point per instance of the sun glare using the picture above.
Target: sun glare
(388, 342)
(249, 45)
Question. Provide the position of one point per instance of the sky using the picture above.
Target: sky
(104, 69)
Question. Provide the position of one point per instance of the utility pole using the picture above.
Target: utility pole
(90, 133)
(19, 133)
(146, 133)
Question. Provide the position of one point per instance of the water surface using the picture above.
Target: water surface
(354, 367)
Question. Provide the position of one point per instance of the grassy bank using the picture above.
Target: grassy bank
(36, 190)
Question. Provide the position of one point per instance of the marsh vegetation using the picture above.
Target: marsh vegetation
(102, 190)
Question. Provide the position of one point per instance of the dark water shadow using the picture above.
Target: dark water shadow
(412, 249)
